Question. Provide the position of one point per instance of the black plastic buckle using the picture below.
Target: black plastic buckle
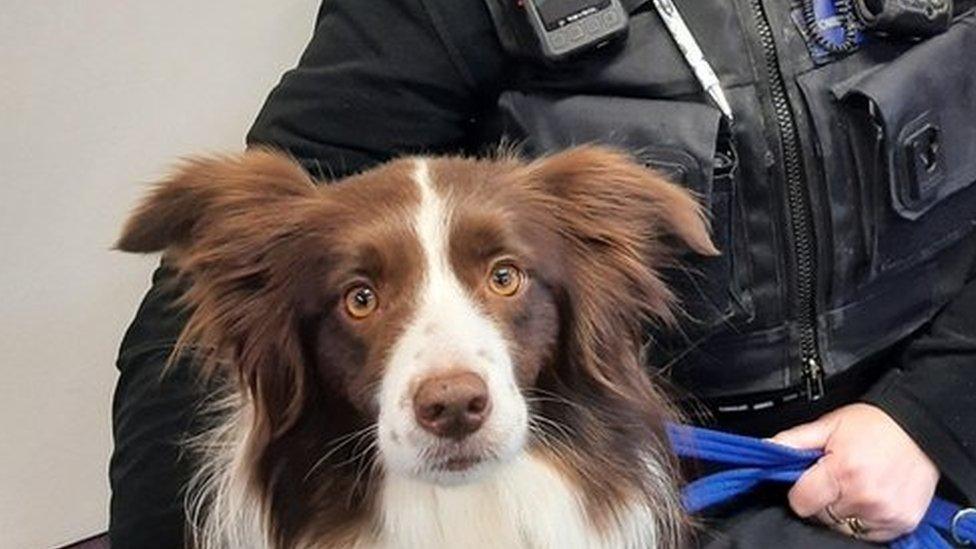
(923, 152)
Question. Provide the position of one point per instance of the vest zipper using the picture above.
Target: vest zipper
(799, 209)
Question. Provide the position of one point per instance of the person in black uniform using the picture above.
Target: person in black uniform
(897, 413)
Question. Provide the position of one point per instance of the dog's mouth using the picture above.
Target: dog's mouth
(458, 464)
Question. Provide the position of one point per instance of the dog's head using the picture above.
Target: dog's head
(442, 302)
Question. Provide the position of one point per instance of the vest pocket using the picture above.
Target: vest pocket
(896, 142)
(678, 139)
(912, 124)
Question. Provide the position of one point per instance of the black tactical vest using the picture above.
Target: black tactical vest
(842, 198)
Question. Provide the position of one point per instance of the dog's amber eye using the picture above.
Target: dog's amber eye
(360, 301)
(505, 279)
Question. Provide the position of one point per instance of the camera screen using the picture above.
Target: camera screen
(556, 13)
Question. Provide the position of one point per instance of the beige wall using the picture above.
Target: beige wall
(96, 98)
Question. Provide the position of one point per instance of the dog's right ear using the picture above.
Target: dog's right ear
(207, 188)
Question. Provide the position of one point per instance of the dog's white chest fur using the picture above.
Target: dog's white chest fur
(525, 504)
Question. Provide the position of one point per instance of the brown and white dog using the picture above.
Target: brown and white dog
(436, 353)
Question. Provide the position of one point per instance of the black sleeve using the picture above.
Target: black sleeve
(933, 394)
(384, 77)
(152, 414)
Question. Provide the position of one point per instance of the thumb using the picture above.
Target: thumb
(807, 436)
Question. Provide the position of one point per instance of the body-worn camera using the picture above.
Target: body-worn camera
(556, 29)
(564, 27)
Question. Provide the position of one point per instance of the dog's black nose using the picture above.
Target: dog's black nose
(452, 405)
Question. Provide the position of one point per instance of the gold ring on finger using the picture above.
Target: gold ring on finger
(856, 526)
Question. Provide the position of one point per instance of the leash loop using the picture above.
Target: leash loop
(753, 461)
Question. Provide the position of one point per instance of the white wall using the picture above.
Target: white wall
(97, 97)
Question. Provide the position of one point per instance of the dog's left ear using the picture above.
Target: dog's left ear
(620, 223)
(610, 195)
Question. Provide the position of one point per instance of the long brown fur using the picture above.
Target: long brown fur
(258, 244)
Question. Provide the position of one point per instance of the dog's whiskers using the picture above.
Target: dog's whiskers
(339, 443)
(369, 468)
(536, 394)
(538, 424)
(356, 453)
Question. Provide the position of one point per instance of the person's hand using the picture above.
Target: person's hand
(871, 471)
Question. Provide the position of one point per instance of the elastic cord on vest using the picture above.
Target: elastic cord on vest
(753, 461)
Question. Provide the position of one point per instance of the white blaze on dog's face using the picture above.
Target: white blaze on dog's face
(452, 358)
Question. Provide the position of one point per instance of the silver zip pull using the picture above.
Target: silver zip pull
(814, 376)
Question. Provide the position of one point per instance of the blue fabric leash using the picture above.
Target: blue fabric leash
(753, 461)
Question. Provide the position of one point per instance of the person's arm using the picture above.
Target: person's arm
(381, 78)
(378, 78)
(932, 396)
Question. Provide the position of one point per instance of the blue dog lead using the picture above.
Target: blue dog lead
(753, 461)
